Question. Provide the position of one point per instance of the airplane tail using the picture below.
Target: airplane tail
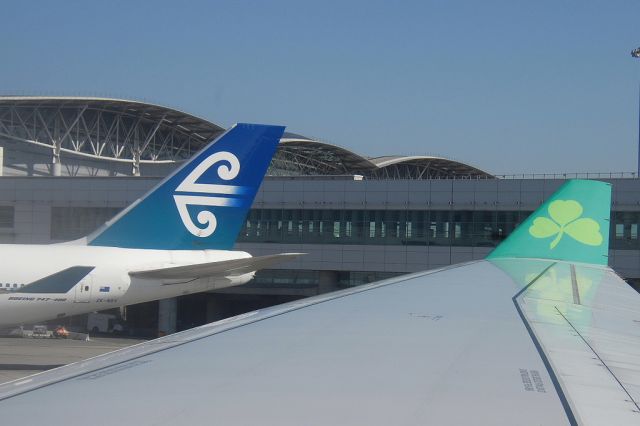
(572, 225)
(203, 204)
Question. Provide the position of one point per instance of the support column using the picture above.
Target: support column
(136, 164)
(137, 151)
(56, 166)
(167, 316)
(327, 281)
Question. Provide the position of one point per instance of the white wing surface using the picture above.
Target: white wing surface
(491, 342)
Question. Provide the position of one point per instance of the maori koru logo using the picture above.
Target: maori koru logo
(210, 195)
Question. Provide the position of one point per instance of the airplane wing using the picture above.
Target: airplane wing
(213, 269)
(551, 338)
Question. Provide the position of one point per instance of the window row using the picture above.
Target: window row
(406, 227)
(397, 227)
(435, 227)
(9, 286)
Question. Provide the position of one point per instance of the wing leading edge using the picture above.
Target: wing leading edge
(215, 269)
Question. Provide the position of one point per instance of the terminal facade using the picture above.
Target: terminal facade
(70, 164)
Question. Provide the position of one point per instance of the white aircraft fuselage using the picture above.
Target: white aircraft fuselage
(108, 285)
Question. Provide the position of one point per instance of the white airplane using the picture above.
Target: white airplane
(541, 332)
(175, 240)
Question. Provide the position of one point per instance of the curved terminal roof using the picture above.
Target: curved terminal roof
(305, 156)
(140, 132)
(423, 166)
(183, 121)
(300, 155)
(103, 128)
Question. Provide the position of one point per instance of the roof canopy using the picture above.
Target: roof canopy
(299, 155)
(109, 129)
(140, 132)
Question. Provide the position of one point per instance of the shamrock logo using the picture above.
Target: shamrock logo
(565, 219)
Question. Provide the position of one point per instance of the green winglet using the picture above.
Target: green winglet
(572, 225)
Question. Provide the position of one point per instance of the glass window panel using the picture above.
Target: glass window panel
(6, 216)
(68, 223)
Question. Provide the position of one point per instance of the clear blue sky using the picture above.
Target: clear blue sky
(509, 86)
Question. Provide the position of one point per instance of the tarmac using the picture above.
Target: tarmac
(21, 357)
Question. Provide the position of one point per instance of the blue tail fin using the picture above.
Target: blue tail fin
(204, 203)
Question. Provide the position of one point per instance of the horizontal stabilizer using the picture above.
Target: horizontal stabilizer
(216, 269)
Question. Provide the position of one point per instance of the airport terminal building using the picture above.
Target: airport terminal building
(69, 164)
